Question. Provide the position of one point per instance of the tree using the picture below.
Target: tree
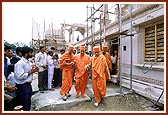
(13, 46)
(20, 44)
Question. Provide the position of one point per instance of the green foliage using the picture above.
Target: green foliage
(13, 46)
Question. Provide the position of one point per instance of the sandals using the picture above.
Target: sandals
(96, 104)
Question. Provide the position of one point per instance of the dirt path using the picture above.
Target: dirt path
(129, 102)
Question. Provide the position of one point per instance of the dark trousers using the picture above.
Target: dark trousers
(90, 74)
(60, 80)
(42, 80)
(114, 69)
(24, 93)
(57, 79)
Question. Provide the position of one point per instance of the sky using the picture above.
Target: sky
(17, 17)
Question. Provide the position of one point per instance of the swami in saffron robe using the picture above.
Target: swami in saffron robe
(99, 66)
(67, 72)
(81, 79)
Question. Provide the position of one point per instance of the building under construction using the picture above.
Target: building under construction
(51, 38)
(137, 32)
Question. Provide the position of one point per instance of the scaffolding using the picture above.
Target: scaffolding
(48, 38)
(102, 21)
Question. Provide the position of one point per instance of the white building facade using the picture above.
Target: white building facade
(148, 29)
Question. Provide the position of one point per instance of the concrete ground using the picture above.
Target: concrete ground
(52, 101)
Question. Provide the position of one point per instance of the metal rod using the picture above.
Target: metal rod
(93, 25)
(100, 34)
(92, 29)
(44, 35)
(104, 24)
(121, 92)
(32, 30)
(87, 31)
(131, 47)
(94, 12)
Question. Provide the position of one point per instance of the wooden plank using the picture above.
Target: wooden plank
(160, 29)
(160, 44)
(149, 45)
(150, 53)
(160, 56)
(150, 59)
(150, 31)
(160, 37)
(150, 39)
(160, 41)
(160, 52)
(160, 33)
(150, 49)
(149, 42)
(150, 56)
(150, 35)
(160, 48)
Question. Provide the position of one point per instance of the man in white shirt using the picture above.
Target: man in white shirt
(50, 63)
(41, 63)
(23, 78)
(114, 59)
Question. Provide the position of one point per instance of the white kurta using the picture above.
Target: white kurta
(50, 63)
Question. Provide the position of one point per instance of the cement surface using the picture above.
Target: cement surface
(51, 100)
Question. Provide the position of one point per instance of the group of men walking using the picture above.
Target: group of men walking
(51, 68)
(100, 72)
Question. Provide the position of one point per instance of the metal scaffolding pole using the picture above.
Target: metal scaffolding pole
(87, 31)
(131, 47)
(100, 34)
(104, 24)
(95, 12)
(92, 29)
(121, 92)
(93, 23)
(44, 37)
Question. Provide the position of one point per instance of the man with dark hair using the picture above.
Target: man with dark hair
(62, 51)
(57, 79)
(18, 56)
(41, 63)
(52, 48)
(50, 63)
(23, 77)
(7, 54)
(8, 100)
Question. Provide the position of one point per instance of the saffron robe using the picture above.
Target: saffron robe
(67, 73)
(109, 63)
(81, 79)
(99, 66)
